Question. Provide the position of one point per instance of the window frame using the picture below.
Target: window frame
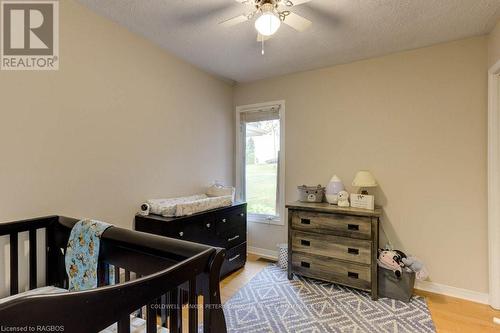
(240, 163)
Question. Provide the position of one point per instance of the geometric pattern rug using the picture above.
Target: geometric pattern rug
(272, 303)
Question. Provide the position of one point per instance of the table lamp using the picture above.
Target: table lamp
(364, 179)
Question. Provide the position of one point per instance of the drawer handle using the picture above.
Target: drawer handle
(353, 227)
(224, 220)
(305, 242)
(353, 275)
(242, 214)
(305, 221)
(233, 238)
(353, 251)
(305, 264)
(208, 225)
(234, 258)
(181, 233)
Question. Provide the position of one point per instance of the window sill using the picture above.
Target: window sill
(254, 219)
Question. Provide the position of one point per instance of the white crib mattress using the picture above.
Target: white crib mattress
(37, 291)
(137, 325)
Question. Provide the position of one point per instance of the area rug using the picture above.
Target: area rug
(272, 303)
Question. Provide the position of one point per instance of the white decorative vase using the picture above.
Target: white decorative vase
(332, 189)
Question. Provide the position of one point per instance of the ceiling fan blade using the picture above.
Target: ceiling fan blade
(262, 37)
(234, 21)
(297, 22)
(244, 1)
(294, 2)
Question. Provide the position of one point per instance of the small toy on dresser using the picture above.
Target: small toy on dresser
(311, 193)
(343, 199)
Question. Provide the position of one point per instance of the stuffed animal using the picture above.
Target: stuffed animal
(417, 266)
(392, 260)
(413, 264)
(343, 199)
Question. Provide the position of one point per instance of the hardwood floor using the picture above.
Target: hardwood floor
(449, 314)
(456, 315)
(232, 283)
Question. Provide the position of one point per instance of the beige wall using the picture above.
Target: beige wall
(417, 120)
(494, 46)
(120, 122)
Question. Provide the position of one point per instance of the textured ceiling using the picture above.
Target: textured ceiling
(342, 31)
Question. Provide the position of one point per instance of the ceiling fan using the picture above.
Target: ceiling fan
(270, 14)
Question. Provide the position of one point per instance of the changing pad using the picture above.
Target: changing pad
(183, 206)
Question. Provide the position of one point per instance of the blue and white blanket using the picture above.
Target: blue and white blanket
(82, 254)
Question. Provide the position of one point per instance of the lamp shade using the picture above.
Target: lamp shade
(364, 178)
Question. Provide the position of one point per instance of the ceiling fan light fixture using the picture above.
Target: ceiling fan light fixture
(268, 22)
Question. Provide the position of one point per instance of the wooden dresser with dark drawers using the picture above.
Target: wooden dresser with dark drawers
(334, 244)
(223, 227)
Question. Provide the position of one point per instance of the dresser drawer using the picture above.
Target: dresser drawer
(332, 270)
(332, 246)
(230, 238)
(234, 237)
(230, 219)
(333, 224)
(195, 230)
(235, 259)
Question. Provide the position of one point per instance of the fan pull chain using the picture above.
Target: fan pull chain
(262, 45)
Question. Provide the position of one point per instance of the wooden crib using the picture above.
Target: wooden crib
(154, 276)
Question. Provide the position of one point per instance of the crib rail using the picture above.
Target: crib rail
(168, 273)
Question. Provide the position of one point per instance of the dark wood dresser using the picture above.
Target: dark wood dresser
(334, 244)
(223, 227)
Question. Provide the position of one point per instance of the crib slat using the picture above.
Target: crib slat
(157, 310)
(193, 307)
(127, 275)
(140, 313)
(102, 274)
(117, 275)
(174, 312)
(124, 324)
(163, 310)
(168, 309)
(14, 265)
(150, 318)
(33, 259)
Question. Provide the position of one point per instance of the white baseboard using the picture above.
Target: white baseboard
(264, 253)
(437, 288)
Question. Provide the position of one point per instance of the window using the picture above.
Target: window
(260, 160)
